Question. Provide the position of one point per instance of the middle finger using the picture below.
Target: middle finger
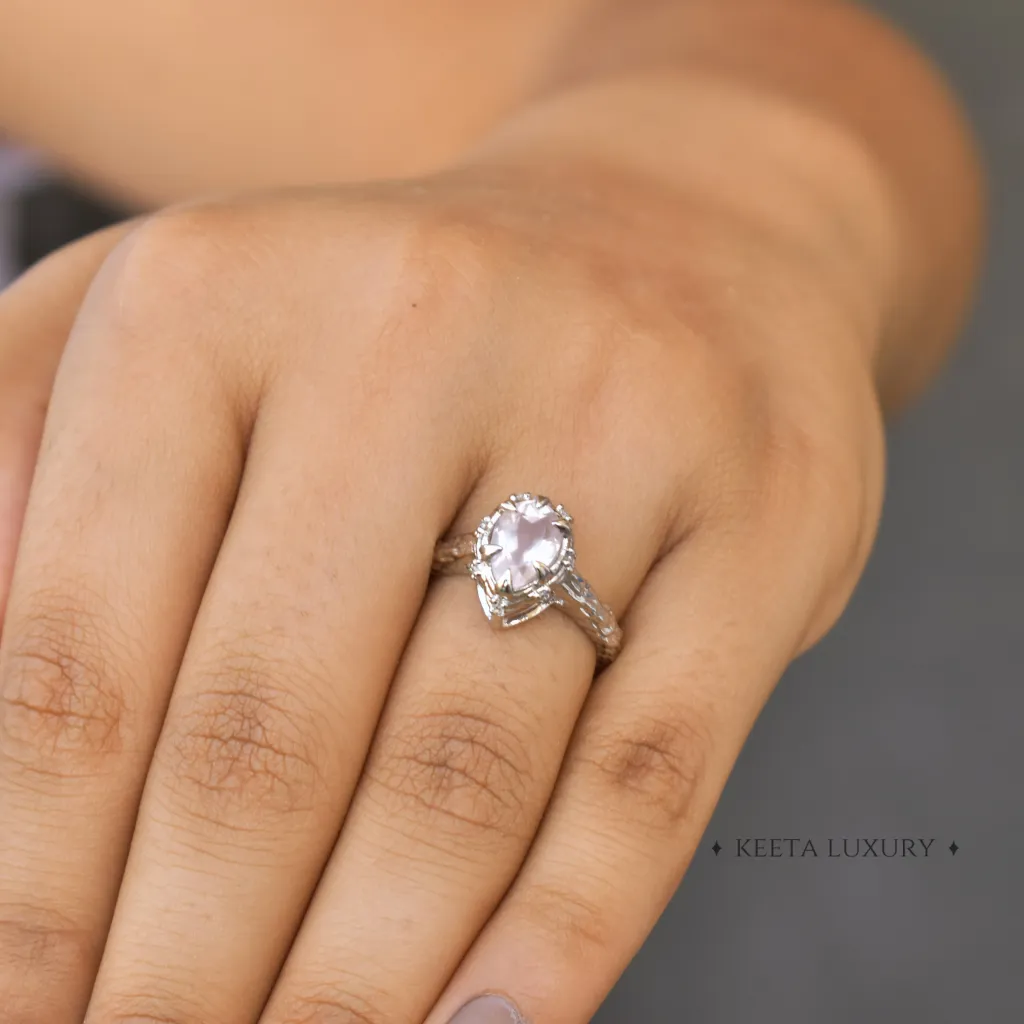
(315, 588)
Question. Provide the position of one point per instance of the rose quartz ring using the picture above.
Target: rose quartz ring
(523, 561)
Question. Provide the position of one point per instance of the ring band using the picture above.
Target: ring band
(523, 560)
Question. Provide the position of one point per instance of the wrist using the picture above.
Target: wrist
(737, 108)
(738, 191)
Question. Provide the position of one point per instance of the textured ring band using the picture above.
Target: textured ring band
(524, 562)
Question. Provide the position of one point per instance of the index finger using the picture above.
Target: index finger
(36, 315)
(108, 577)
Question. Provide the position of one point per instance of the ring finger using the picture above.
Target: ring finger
(460, 772)
(36, 315)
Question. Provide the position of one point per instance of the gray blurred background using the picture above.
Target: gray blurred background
(907, 720)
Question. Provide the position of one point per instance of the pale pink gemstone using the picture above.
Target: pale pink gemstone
(527, 537)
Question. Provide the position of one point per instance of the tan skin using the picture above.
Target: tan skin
(663, 261)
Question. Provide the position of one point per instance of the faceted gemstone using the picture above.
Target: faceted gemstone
(527, 537)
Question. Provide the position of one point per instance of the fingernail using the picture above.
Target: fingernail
(488, 1010)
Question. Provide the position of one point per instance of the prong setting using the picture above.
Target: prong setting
(523, 560)
(524, 522)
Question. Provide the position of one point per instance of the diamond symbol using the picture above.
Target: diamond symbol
(953, 847)
(716, 848)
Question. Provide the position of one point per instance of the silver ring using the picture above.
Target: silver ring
(524, 562)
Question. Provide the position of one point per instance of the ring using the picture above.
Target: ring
(524, 562)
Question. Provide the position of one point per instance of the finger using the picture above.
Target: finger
(36, 314)
(461, 769)
(708, 637)
(317, 584)
(108, 577)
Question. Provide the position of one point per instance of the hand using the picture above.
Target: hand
(251, 755)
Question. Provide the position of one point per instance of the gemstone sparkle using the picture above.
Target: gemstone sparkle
(526, 538)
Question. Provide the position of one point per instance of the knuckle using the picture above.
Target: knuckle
(574, 923)
(244, 746)
(438, 270)
(63, 709)
(804, 460)
(459, 767)
(151, 1009)
(717, 406)
(720, 388)
(332, 1005)
(801, 468)
(818, 489)
(450, 248)
(203, 268)
(421, 285)
(614, 387)
(175, 256)
(42, 956)
(651, 768)
(827, 505)
(431, 255)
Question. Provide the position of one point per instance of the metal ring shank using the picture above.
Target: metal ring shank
(574, 596)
